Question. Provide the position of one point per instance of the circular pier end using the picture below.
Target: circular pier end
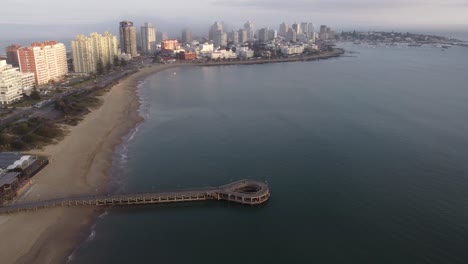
(245, 192)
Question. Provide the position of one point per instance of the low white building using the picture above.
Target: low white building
(13, 83)
(223, 54)
(205, 50)
(244, 52)
(292, 49)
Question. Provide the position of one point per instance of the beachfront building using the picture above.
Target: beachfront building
(148, 38)
(171, 44)
(13, 83)
(88, 51)
(16, 171)
(47, 60)
(223, 54)
(292, 49)
(128, 39)
(204, 50)
(244, 52)
(12, 54)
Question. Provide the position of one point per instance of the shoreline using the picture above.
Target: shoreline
(80, 164)
(55, 234)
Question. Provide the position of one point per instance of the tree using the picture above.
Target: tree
(35, 94)
(108, 67)
(99, 67)
(116, 61)
(123, 62)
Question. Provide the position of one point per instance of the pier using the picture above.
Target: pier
(246, 192)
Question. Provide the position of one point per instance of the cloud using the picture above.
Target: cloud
(334, 5)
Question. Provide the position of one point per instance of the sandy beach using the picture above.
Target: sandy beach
(79, 164)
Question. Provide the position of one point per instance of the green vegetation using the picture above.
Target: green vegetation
(108, 67)
(116, 61)
(25, 135)
(35, 94)
(100, 67)
(75, 105)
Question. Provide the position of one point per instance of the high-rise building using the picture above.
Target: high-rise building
(170, 44)
(249, 26)
(324, 31)
(304, 27)
(297, 28)
(47, 60)
(12, 55)
(88, 51)
(234, 37)
(13, 83)
(263, 35)
(310, 29)
(292, 35)
(283, 29)
(128, 39)
(272, 34)
(148, 38)
(242, 36)
(214, 29)
(161, 36)
(186, 36)
(220, 39)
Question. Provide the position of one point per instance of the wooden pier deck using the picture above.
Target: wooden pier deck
(247, 192)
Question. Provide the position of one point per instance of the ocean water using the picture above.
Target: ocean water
(365, 155)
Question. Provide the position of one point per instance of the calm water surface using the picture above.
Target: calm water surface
(366, 157)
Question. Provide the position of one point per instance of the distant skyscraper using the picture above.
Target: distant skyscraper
(292, 35)
(272, 34)
(186, 36)
(214, 29)
(220, 39)
(324, 32)
(88, 51)
(249, 26)
(161, 36)
(47, 60)
(148, 38)
(311, 29)
(283, 29)
(297, 28)
(128, 39)
(323, 29)
(263, 35)
(234, 37)
(304, 27)
(242, 35)
(12, 55)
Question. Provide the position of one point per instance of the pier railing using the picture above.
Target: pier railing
(244, 192)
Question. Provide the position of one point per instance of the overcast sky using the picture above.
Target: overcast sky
(382, 12)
